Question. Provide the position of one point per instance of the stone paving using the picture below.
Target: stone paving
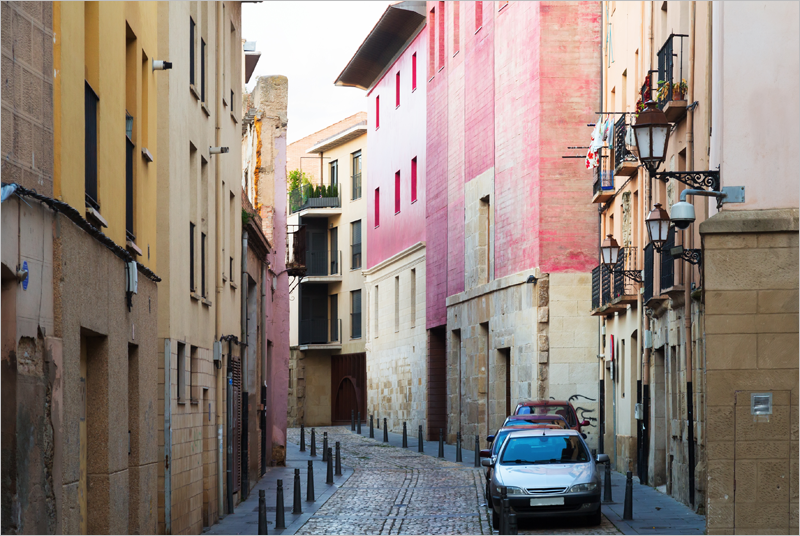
(398, 491)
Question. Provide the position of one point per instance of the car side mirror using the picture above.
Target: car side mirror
(485, 453)
(602, 458)
(487, 462)
(585, 423)
(489, 439)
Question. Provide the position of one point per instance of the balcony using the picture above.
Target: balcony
(320, 333)
(323, 266)
(326, 203)
(613, 292)
(603, 186)
(625, 162)
(296, 250)
(625, 289)
(671, 96)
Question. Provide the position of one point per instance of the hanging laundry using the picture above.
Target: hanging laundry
(593, 155)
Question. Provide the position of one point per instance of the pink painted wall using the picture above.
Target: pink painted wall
(277, 309)
(390, 148)
(517, 93)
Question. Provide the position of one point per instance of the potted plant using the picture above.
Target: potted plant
(663, 91)
(679, 90)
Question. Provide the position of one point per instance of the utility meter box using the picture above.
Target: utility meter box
(638, 412)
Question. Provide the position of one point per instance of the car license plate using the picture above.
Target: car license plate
(548, 501)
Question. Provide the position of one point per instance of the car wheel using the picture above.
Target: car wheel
(596, 518)
(495, 520)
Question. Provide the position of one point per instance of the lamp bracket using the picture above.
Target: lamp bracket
(633, 275)
(692, 256)
(702, 180)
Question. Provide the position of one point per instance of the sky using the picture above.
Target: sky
(311, 43)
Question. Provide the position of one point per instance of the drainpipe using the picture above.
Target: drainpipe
(688, 269)
(218, 254)
(244, 357)
(645, 458)
(229, 439)
(263, 319)
(167, 438)
(601, 414)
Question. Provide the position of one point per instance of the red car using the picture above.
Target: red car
(552, 407)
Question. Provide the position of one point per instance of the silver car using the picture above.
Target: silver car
(547, 473)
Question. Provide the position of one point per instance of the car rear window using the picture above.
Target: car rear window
(544, 449)
(563, 411)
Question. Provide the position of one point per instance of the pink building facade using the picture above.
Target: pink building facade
(510, 237)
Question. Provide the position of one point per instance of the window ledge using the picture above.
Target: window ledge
(205, 109)
(456, 54)
(440, 69)
(356, 338)
(397, 107)
(224, 102)
(132, 245)
(94, 215)
(206, 302)
(181, 402)
(413, 89)
(479, 29)
(194, 92)
(233, 285)
(414, 201)
(146, 154)
(233, 116)
(195, 296)
(194, 401)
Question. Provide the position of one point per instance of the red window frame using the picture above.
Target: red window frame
(377, 207)
(414, 179)
(377, 112)
(413, 71)
(397, 89)
(397, 192)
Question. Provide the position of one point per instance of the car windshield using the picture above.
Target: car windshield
(544, 449)
(563, 411)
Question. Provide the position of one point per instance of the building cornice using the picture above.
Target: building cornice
(419, 246)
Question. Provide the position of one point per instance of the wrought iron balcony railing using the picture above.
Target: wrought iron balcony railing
(667, 77)
(667, 262)
(626, 261)
(324, 262)
(621, 152)
(649, 253)
(596, 285)
(296, 250)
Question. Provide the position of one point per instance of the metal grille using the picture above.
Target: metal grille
(624, 286)
(605, 277)
(596, 287)
(543, 491)
(90, 146)
(648, 272)
(236, 369)
(296, 250)
(621, 153)
(667, 262)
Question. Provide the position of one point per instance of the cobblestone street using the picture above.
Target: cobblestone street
(399, 491)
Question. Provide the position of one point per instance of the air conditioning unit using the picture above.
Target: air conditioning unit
(132, 277)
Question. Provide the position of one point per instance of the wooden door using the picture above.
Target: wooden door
(348, 386)
(437, 383)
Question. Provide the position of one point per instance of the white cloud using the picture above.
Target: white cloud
(310, 43)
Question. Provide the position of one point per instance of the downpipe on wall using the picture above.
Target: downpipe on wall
(244, 356)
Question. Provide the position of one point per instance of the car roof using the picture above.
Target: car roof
(529, 427)
(544, 431)
(532, 417)
(545, 403)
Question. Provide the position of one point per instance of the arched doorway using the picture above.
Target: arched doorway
(346, 400)
(348, 387)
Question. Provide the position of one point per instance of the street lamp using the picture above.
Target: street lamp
(652, 136)
(609, 251)
(657, 223)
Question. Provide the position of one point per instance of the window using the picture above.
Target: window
(90, 145)
(396, 303)
(357, 175)
(377, 207)
(355, 314)
(432, 43)
(202, 70)
(192, 286)
(456, 27)
(355, 245)
(334, 169)
(203, 264)
(377, 112)
(397, 192)
(193, 370)
(413, 71)
(413, 297)
(129, 146)
(377, 323)
(181, 373)
(478, 15)
(397, 89)
(191, 50)
(413, 179)
(441, 35)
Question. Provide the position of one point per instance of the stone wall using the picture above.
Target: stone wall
(751, 298)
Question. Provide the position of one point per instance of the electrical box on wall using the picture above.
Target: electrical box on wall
(648, 338)
(132, 277)
(218, 353)
(638, 412)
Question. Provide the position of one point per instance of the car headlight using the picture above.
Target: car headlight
(583, 488)
(511, 490)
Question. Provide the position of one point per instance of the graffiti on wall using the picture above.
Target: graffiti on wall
(584, 413)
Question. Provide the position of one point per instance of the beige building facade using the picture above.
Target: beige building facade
(328, 363)
(200, 233)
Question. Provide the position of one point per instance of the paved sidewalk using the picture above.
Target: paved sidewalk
(244, 519)
(653, 512)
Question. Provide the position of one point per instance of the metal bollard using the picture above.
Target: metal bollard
(607, 485)
(358, 424)
(420, 441)
(513, 527)
(405, 436)
(302, 438)
(338, 459)
(280, 520)
(627, 513)
(324, 446)
(458, 447)
(352, 420)
(296, 508)
(441, 444)
(262, 512)
(505, 506)
(310, 482)
(477, 452)
(385, 431)
(594, 454)
(371, 428)
(330, 467)
(313, 443)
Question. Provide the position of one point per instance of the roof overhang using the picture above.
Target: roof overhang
(251, 57)
(339, 139)
(397, 27)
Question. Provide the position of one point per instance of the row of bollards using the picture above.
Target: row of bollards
(280, 517)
